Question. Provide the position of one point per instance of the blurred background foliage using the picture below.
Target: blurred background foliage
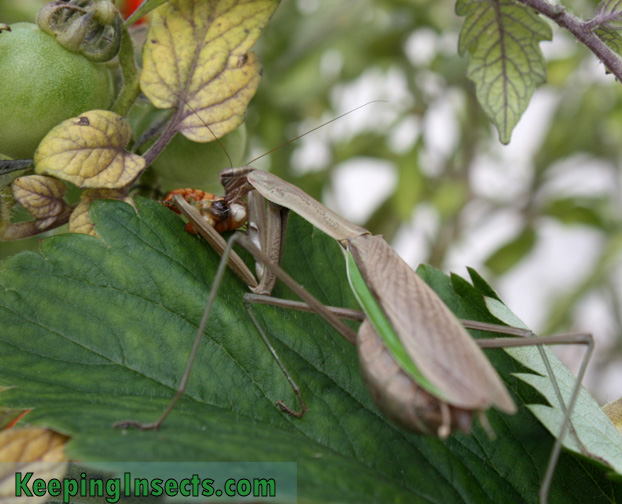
(540, 218)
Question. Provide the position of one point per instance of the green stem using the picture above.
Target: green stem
(131, 76)
(12, 165)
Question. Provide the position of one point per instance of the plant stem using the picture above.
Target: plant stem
(26, 229)
(582, 30)
(131, 77)
(163, 140)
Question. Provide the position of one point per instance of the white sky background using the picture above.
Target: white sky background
(563, 254)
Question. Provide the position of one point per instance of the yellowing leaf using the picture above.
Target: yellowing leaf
(614, 411)
(31, 445)
(80, 221)
(35, 450)
(196, 58)
(89, 151)
(41, 196)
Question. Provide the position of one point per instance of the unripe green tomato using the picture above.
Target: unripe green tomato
(184, 163)
(41, 85)
(190, 164)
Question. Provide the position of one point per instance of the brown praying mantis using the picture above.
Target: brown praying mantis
(421, 367)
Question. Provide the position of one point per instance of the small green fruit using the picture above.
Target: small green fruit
(41, 85)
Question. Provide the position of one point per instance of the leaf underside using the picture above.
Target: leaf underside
(99, 330)
(505, 61)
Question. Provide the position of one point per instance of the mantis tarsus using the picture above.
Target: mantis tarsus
(433, 378)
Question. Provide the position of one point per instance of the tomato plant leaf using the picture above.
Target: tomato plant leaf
(614, 411)
(505, 62)
(196, 59)
(609, 13)
(41, 196)
(80, 220)
(29, 445)
(89, 151)
(610, 37)
(36, 450)
(136, 297)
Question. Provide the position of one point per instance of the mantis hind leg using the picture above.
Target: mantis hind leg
(529, 339)
(181, 389)
(284, 407)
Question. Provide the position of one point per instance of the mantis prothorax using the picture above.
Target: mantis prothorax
(422, 368)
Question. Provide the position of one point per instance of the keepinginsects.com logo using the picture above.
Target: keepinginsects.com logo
(113, 489)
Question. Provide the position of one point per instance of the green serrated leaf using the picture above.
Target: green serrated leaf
(99, 330)
(482, 285)
(609, 13)
(610, 37)
(505, 61)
